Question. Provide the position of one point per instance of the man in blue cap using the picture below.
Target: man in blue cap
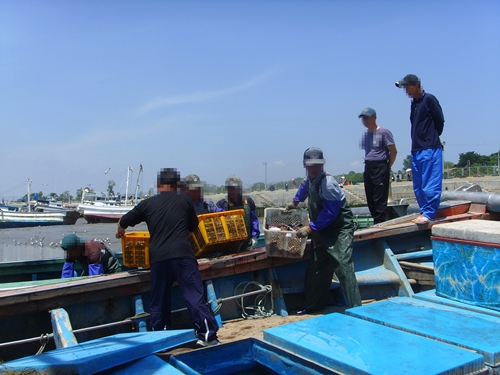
(380, 154)
(94, 257)
(427, 123)
(331, 228)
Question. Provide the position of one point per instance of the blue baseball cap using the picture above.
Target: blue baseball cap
(71, 241)
(367, 112)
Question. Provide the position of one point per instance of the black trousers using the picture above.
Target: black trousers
(186, 273)
(376, 178)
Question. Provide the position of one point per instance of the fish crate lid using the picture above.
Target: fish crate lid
(471, 230)
(280, 215)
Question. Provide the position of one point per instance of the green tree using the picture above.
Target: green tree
(473, 157)
(407, 163)
(493, 159)
(53, 196)
(65, 196)
(111, 185)
(258, 186)
(353, 177)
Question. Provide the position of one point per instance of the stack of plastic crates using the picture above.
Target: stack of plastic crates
(284, 243)
(135, 249)
(220, 232)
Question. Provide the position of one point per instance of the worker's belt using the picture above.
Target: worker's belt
(376, 161)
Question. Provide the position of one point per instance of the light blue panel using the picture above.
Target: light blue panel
(463, 328)
(102, 354)
(431, 296)
(355, 346)
(213, 305)
(249, 356)
(151, 365)
(61, 326)
(467, 273)
(139, 309)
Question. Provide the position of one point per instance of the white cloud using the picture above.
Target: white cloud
(279, 163)
(197, 97)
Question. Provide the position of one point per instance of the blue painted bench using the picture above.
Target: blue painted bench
(431, 296)
(249, 356)
(101, 354)
(150, 365)
(463, 328)
(354, 346)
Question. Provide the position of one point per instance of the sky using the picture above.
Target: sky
(217, 88)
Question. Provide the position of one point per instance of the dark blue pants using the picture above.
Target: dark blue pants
(186, 273)
(376, 179)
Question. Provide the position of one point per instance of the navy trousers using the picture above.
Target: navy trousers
(186, 273)
(376, 179)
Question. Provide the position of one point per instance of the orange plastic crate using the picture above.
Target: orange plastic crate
(219, 232)
(135, 249)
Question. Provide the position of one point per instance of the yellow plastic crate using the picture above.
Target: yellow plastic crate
(135, 249)
(219, 232)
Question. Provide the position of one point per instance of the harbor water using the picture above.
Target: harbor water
(43, 243)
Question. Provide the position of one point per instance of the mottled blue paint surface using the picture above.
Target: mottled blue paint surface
(467, 273)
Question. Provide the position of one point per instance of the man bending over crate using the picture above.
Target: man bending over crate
(170, 216)
(331, 228)
(236, 201)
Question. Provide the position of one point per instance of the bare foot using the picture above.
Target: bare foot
(421, 220)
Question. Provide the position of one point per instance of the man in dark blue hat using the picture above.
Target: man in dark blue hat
(170, 216)
(94, 257)
(427, 123)
(331, 228)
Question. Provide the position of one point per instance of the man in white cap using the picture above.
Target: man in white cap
(331, 228)
(236, 201)
(193, 187)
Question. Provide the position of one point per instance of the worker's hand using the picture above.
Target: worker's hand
(303, 232)
(120, 232)
(254, 241)
(290, 206)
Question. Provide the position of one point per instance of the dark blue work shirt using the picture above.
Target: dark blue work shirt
(427, 122)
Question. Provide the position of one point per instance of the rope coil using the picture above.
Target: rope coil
(258, 309)
(44, 340)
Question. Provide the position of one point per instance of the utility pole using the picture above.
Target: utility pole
(265, 179)
(28, 184)
(444, 144)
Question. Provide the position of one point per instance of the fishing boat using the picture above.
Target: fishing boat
(97, 307)
(43, 205)
(21, 219)
(97, 209)
(12, 219)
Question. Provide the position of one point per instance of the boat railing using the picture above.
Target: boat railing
(44, 337)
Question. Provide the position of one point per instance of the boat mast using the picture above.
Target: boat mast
(28, 184)
(137, 183)
(126, 186)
